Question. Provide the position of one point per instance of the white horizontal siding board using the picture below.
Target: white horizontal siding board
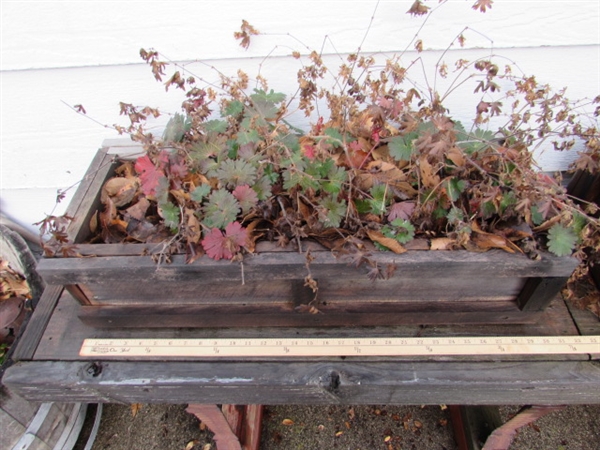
(65, 141)
(89, 33)
(58, 150)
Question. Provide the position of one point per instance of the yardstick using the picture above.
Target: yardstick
(364, 346)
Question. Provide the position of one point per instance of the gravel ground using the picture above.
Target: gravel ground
(169, 427)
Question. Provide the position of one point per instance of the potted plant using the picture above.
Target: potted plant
(386, 210)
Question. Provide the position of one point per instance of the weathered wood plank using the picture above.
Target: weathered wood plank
(347, 382)
(37, 324)
(538, 292)
(216, 317)
(473, 424)
(290, 265)
(357, 291)
(587, 323)
(65, 333)
(86, 200)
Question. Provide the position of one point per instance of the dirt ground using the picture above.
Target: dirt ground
(169, 427)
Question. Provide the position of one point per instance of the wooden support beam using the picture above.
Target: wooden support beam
(214, 419)
(245, 421)
(538, 292)
(236, 427)
(501, 438)
(473, 424)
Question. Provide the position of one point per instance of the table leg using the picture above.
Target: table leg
(236, 427)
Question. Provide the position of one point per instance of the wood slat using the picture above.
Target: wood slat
(65, 333)
(357, 291)
(86, 200)
(538, 292)
(216, 317)
(292, 266)
(346, 382)
(36, 327)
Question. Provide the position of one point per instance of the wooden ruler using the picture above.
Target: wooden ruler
(365, 346)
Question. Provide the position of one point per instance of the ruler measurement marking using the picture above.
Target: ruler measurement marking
(266, 347)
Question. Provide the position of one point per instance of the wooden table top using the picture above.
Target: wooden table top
(49, 367)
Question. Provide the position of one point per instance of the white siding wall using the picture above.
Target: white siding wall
(87, 52)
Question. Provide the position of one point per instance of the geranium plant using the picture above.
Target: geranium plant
(383, 162)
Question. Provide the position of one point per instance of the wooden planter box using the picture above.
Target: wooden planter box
(121, 286)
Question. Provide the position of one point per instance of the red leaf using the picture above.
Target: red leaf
(402, 210)
(149, 175)
(223, 246)
(178, 170)
(214, 244)
(309, 151)
(237, 234)
(246, 196)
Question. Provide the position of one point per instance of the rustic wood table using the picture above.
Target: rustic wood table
(49, 367)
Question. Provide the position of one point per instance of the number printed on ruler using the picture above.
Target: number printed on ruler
(368, 346)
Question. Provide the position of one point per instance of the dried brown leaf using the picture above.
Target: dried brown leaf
(120, 190)
(139, 209)
(418, 9)
(442, 244)
(391, 243)
(190, 445)
(135, 408)
(428, 177)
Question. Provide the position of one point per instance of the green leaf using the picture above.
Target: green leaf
(198, 194)
(579, 223)
(176, 128)
(455, 187)
(401, 147)
(318, 169)
(272, 96)
(337, 177)
(235, 173)
(222, 209)
(289, 141)
(170, 214)
(216, 126)
(379, 200)
(362, 206)
(489, 209)
(455, 215)
(248, 137)
(400, 229)
(234, 108)
(333, 212)
(293, 178)
(263, 188)
(474, 142)
(426, 128)
(561, 240)
(265, 104)
(536, 216)
(336, 138)
(270, 173)
(508, 200)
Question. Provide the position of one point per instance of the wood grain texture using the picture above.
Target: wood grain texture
(465, 383)
(65, 333)
(217, 317)
(539, 292)
(279, 265)
(36, 326)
